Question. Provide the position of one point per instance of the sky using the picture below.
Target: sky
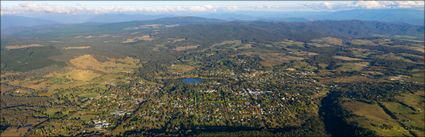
(99, 7)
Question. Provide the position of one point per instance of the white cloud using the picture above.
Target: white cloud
(32, 7)
(389, 4)
(364, 4)
(80, 8)
(231, 8)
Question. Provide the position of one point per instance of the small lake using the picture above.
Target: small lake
(191, 80)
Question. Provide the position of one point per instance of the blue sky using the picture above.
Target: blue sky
(71, 7)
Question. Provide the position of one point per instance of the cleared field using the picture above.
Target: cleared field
(393, 57)
(23, 46)
(286, 43)
(138, 38)
(181, 68)
(348, 79)
(416, 100)
(345, 58)
(358, 66)
(188, 47)
(417, 48)
(362, 42)
(328, 40)
(83, 75)
(14, 132)
(110, 66)
(414, 120)
(77, 47)
(269, 59)
(373, 117)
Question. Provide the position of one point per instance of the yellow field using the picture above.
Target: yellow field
(83, 70)
(109, 66)
(418, 48)
(83, 75)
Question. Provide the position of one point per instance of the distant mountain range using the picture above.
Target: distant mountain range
(212, 30)
(409, 16)
(19, 21)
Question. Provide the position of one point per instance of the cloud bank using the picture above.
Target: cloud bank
(365, 4)
(29, 7)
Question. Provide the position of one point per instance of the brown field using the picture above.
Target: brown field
(345, 58)
(83, 75)
(9, 47)
(392, 56)
(14, 132)
(138, 38)
(181, 68)
(110, 66)
(290, 43)
(417, 48)
(358, 66)
(371, 111)
(174, 40)
(269, 59)
(188, 47)
(85, 62)
(349, 79)
(77, 47)
(328, 40)
(362, 42)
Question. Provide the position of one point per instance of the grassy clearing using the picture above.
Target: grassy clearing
(358, 66)
(84, 70)
(187, 47)
(347, 79)
(414, 120)
(393, 57)
(110, 66)
(83, 75)
(180, 68)
(10, 47)
(417, 48)
(415, 100)
(360, 53)
(328, 41)
(373, 117)
(286, 43)
(269, 59)
(14, 132)
(134, 39)
(345, 58)
(418, 75)
(358, 42)
(77, 47)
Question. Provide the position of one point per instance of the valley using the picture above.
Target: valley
(191, 76)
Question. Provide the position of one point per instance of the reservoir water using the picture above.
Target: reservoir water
(192, 80)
